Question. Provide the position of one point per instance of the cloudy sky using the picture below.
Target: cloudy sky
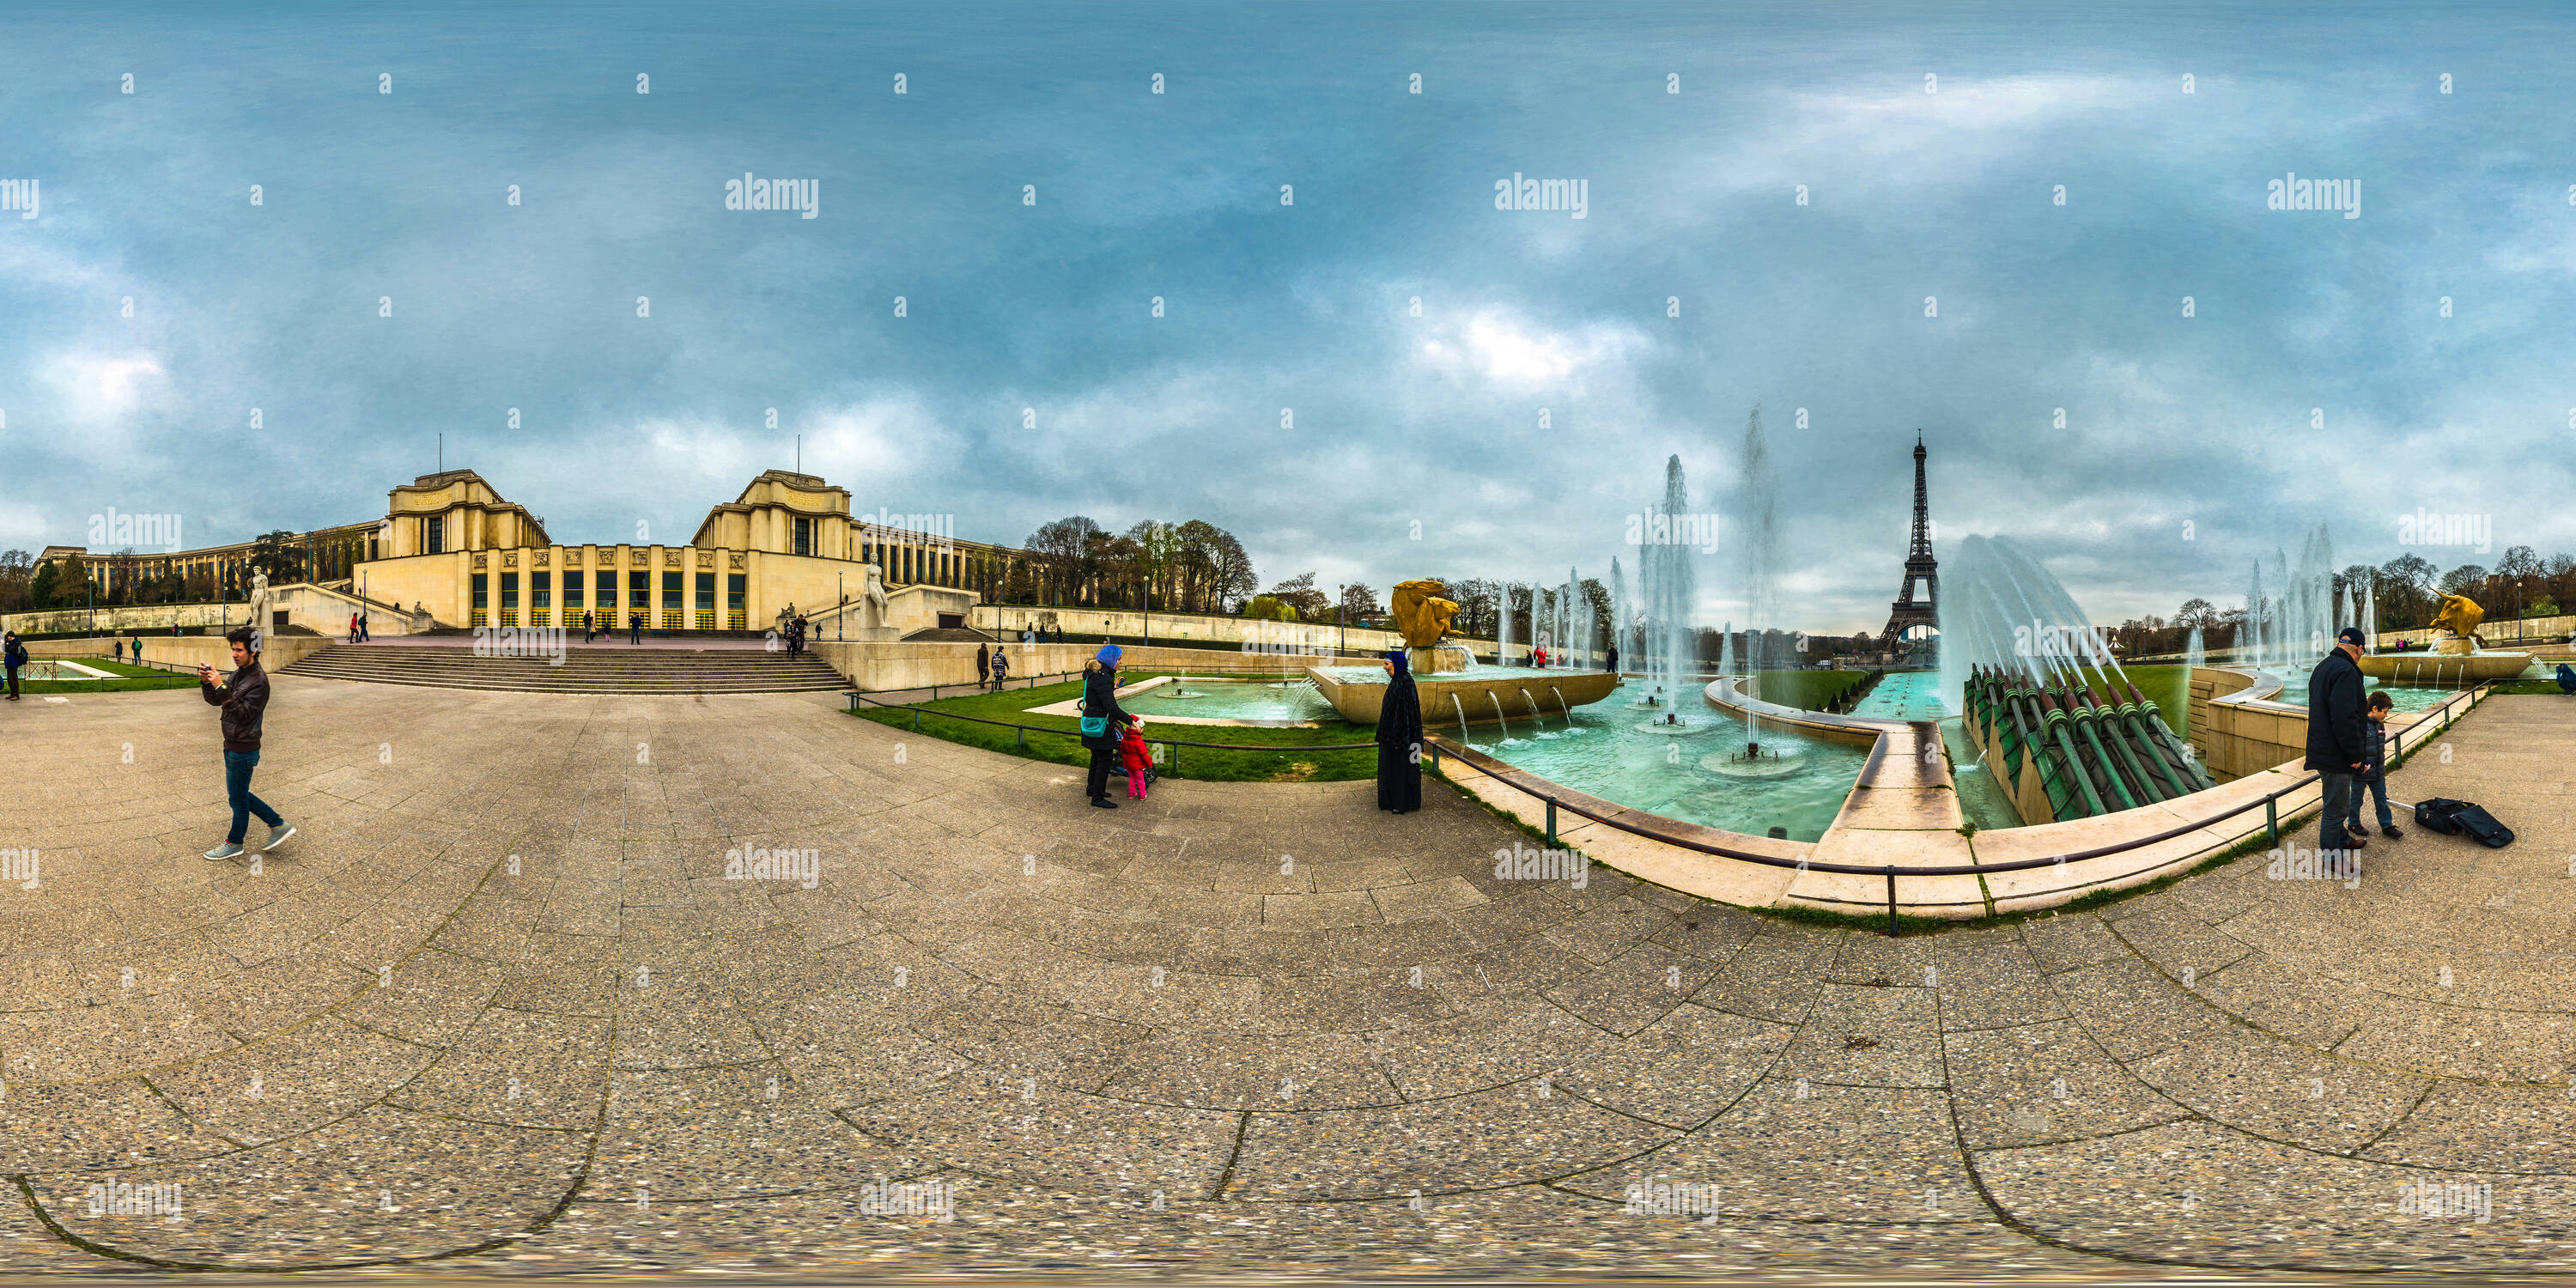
(1930, 143)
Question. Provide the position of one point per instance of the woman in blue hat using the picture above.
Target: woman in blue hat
(1103, 722)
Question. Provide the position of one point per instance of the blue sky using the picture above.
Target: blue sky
(2204, 420)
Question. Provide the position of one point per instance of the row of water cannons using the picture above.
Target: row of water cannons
(2095, 755)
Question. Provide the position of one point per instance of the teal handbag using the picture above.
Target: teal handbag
(1095, 726)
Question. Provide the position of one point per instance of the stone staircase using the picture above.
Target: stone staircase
(584, 670)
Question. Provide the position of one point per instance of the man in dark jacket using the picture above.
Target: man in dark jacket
(13, 654)
(1100, 702)
(2337, 747)
(244, 699)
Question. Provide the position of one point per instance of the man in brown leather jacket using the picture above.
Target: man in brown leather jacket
(244, 699)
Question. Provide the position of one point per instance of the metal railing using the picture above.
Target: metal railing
(2269, 802)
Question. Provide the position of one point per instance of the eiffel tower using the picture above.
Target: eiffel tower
(1919, 566)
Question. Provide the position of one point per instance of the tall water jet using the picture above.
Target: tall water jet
(1761, 544)
(2194, 654)
(1503, 632)
(1671, 588)
(1618, 606)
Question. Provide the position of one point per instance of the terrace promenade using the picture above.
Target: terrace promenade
(519, 998)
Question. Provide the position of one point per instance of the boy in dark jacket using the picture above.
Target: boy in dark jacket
(244, 699)
(2373, 780)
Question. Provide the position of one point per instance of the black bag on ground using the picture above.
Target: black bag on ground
(2461, 818)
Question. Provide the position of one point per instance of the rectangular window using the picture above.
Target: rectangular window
(481, 601)
(804, 535)
(434, 535)
(572, 592)
(734, 620)
(541, 590)
(670, 600)
(639, 590)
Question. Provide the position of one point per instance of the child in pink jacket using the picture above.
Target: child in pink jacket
(1133, 753)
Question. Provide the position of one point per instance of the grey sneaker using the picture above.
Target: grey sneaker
(227, 850)
(278, 836)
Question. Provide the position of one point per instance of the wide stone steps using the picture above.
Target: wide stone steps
(584, 670)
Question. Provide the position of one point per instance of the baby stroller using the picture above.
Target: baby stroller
(2566, 678)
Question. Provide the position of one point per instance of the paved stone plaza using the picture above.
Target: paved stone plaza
(500, 1006)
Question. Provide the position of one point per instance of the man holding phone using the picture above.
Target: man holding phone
(244, 699)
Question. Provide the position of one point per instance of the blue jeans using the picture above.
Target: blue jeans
(2341, 804)
(237, 767)
(2374, 784)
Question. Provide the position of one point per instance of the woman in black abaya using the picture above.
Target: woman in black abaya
(1399, 740)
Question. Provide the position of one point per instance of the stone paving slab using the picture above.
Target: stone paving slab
(501, 1006)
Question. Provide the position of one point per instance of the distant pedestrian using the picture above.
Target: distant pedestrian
(13, 654)
(353, 628)
(634, 628)
(138, 648)
(1102, 719)
(244, 699)
(1399, 739)
(1001, 668)
(1613, 659)
(983, 666)
(366, 627)
(2337, 749)
(120, 652)
(588, 626)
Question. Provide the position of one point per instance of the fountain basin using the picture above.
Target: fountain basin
(1357, 691)
(2443, 668)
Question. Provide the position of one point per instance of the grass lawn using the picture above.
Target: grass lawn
(1179, 762)
(130, 677)
(1809, 690)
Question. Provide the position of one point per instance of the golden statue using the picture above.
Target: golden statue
(1421, 614)
(2460, 615)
